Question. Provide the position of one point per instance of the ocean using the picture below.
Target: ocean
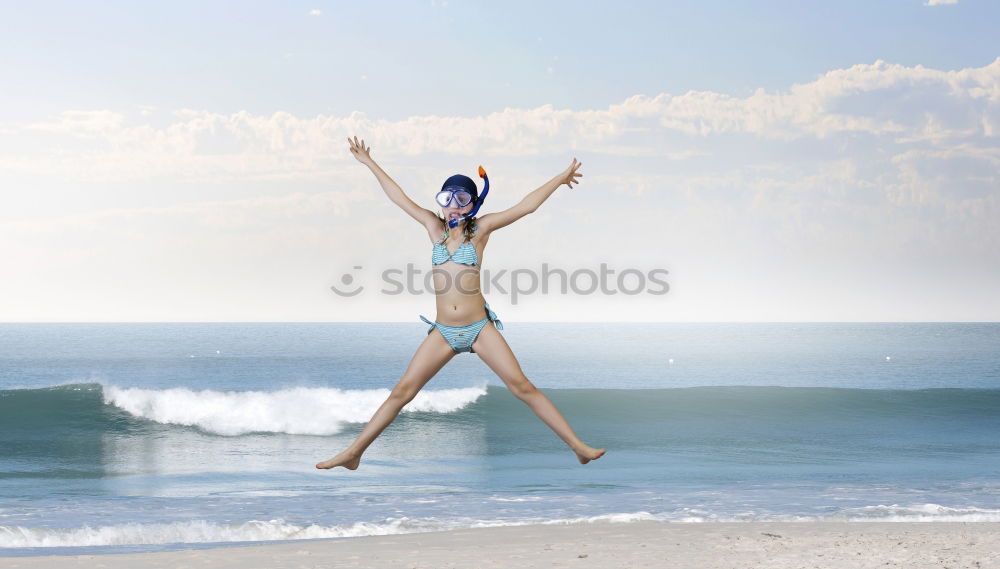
(158, 436)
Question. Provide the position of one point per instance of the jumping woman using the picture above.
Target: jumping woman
(464, 319)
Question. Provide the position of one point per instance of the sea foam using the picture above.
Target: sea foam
(203, 531)
(195, 531)
(296, 411)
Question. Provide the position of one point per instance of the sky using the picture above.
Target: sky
(742, 161)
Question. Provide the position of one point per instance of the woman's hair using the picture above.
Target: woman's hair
(467, 223)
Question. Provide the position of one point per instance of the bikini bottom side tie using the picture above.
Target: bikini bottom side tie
(461, 338)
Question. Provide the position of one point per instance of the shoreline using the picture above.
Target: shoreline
(707, 545)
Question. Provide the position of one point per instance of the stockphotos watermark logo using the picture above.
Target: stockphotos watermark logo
(515, 283)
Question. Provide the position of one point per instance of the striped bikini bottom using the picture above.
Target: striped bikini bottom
(460, 338)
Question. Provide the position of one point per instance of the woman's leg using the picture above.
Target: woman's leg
(429, 358)
(492, 348)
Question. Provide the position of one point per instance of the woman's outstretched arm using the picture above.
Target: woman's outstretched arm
(425, 216)
(532, 201)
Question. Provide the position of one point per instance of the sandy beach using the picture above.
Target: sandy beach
(606, 546)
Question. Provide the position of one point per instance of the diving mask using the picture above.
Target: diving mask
(448, 196)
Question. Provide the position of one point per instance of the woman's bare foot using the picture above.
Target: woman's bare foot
(586, 454)
(346, 459)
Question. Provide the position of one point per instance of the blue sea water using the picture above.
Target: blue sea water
(126, 437)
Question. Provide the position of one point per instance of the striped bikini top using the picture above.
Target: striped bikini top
(464, 255)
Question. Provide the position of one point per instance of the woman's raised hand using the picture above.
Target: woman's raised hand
(359, 150)
(569, 176)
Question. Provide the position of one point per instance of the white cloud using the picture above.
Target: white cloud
(864, 170)
(939, 2)
(315, 12)
(913, 105)
(208, 213)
